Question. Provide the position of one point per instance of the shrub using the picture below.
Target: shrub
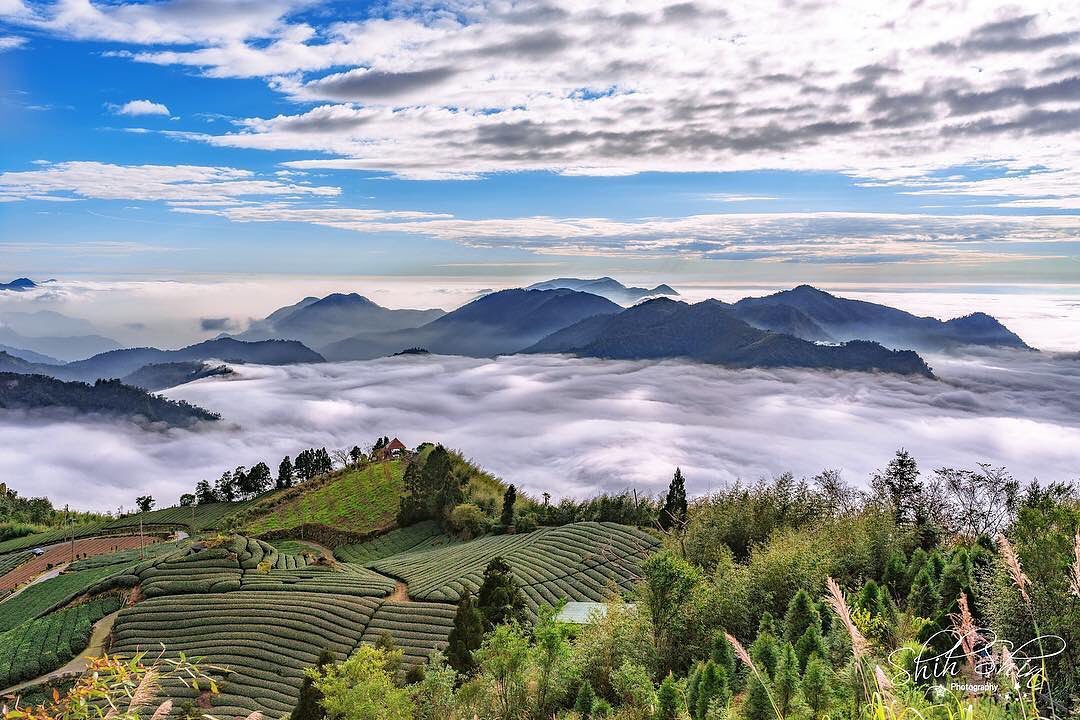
(468, 521)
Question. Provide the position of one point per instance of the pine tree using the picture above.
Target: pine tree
(509, 498)
(811, 644)
(757, 705)
(935, 564)
(765, 651)
(924, 600)
(466, 636)
(675, 509)
(412, 507)
(713, 686)
(786, 681)
(285, 473)
(916, 563)
(693, 682)
(767, 624)
(724, 656)
(668, 700)
(583, 704)
(956, 578)
(900, 481)
(309, 706)
(895, 576)
(815, 687)
(500, 600)
(802, 614)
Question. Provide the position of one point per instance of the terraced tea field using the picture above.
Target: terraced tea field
(582, 561)
(424, 535)
(212, 516)
(44, 597)
(265, 640)
(417, 628)
(262, 614)
(40, 646)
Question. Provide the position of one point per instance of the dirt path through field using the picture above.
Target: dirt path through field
(76, 666)
(401, 592)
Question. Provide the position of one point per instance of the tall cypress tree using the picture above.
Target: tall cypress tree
(786, 680)
(675, 509)
(466, 636)
(802, 613)
(500, 600)
(583, 704)
(712, 687)
(668, 700)
(509, 498)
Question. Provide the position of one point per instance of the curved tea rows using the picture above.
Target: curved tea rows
(40, 646)
(423, 535)
(418, 628)
(581, 561)
(265, 640)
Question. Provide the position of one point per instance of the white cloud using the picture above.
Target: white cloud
(836, 237)
(168, 22)
(11, 42)
(140, 107)
(242, 196)
(896, 93)
(576, 427)
(179, 184)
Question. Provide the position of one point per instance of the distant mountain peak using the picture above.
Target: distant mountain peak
(606, 287)
(344, 299)
(19, 284)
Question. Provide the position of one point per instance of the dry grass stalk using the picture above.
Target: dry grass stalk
(744, 656)
(964, 629)
(860, 648)
(163, 711)
(884, 684)
(145, 691)
(1012, 564)
(1074, 571)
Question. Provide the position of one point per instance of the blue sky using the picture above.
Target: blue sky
(415, 138)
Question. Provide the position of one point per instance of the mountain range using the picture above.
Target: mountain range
(711, 332)
(499, 323)
(801, 327)
(129, 363)
(317, 322)
(605, 287)
(813, 314)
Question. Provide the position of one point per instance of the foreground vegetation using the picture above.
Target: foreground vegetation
(782, 599)
(951, 594)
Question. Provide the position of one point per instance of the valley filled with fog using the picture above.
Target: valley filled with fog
(577, 426)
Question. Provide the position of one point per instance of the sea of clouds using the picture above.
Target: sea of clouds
(576, 426)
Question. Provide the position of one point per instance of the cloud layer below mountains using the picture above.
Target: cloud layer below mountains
(576, 427)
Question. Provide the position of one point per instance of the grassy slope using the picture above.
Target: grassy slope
(356, 500)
